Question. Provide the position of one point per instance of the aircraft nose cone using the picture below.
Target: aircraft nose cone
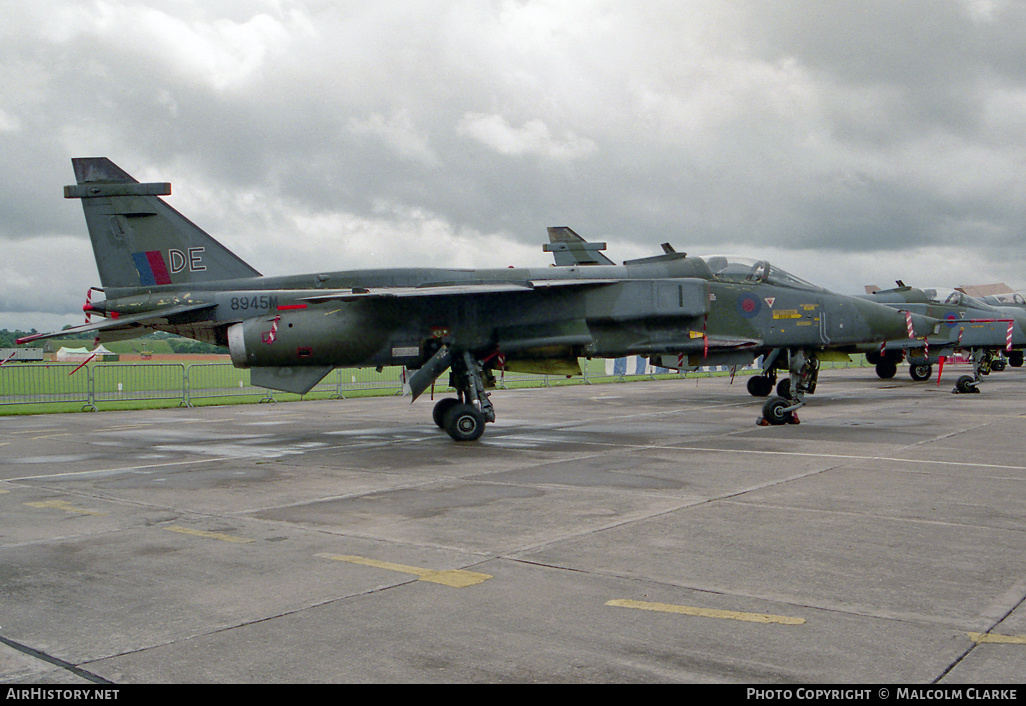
(882, 322)
(922, 325)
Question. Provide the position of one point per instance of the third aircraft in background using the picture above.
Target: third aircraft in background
(990, 334)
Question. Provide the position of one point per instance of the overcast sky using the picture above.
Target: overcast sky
(850, 142)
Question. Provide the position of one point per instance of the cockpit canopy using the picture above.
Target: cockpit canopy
(741, 269)
(953, 297)
(1009, 298)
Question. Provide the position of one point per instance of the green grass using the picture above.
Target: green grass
(55, 388)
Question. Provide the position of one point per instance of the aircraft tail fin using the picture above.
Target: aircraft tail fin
(568, 248)
(138, 239)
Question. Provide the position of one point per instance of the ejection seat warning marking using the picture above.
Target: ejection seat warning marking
(787, 314)
(706, 612)
(454, 578)
(220, 536)
(66, 506)
(980, 637)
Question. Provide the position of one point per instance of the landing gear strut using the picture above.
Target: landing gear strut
(762, 385)
(803, 366)
(968, 384)
(465, 416)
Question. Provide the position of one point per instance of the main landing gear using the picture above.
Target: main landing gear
(762, 385)
(803, 366)
(464, 417)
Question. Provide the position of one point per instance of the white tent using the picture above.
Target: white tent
(77, 355)
(72, 355)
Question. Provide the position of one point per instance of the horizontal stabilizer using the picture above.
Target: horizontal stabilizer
(138, 239)
(121, 323)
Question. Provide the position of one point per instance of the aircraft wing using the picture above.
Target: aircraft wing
(700, 343)
(122, 323)
(443, 290)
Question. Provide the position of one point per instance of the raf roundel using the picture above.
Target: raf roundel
(749, 306)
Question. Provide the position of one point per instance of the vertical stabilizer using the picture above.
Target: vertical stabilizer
(568, 248)
(138, 239)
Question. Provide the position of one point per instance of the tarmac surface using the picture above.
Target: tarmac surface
(641, 532)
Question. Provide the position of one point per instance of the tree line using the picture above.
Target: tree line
(177, 343)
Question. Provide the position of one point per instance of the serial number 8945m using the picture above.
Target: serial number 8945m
(255, 302)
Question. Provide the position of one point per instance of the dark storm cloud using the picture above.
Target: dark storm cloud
(306, 133)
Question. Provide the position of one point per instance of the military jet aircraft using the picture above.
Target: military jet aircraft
(969, 324)
(795, 351)
(159, 271)
(1009, 301)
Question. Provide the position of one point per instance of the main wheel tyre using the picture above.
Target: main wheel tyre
(773, 411)
(886, 369)
(965, 384)
(464, 422)
(1015, 359)
(443, 406)
(920, 372)
(784, 388)
(998, 365)
(759, 386)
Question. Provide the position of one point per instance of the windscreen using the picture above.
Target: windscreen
(739, 269)
(954, 297)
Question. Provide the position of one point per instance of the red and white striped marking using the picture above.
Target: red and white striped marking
(271, 336)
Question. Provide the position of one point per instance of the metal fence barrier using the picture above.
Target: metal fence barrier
(27, 383)
(104, 383)
(122, 383)
(218, 380)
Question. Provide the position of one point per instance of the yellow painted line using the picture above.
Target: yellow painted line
(454, 578)
(66, 506)
(706, 612)
(220, 536)
(981, 637)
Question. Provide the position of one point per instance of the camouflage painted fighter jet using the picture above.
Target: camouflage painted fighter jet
(159, 271)
(795, 323)
(969, 324)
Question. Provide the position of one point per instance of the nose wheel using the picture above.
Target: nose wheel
(779, 411)
(969, 384)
